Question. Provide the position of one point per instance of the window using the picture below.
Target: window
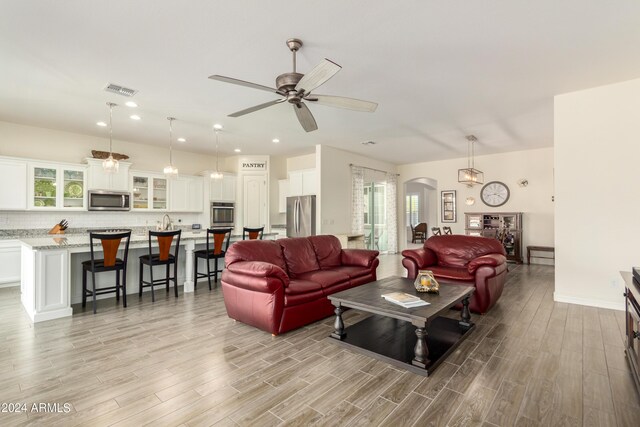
(412, 209)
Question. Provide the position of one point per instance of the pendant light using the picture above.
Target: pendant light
(110, 165)
(217, 174)
(170, 170)
(470, 175)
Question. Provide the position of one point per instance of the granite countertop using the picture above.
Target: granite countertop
(78, 240)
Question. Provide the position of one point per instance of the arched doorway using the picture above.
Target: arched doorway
(420, 205)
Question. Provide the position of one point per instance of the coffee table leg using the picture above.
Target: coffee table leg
(465, 323)
(338, 325)
(421, 350)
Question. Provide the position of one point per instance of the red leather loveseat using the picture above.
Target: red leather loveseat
(280, 285)
(479, 261)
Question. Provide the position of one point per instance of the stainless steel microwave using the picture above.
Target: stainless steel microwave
(103, 200)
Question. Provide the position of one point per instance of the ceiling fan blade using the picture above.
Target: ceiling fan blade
(316, 77)
(256, 108)
(305, 117)
(343, 102)
(242, 83)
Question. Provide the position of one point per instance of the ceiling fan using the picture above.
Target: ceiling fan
(296, 88)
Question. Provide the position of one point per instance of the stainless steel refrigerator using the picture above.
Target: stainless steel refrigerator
(301, 216)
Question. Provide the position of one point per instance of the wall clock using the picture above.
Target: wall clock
(494, 194)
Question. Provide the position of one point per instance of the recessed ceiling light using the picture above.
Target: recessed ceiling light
(134, 117)
(182, 140)
(237, 150)
(131, 104)
(217, 126)
(103, 124)
(275, 140)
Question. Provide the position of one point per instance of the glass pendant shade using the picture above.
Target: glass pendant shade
(170, 170)
(470, 175)
(110, 165)
(216, 175)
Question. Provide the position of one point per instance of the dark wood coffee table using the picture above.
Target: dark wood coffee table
(417, 339)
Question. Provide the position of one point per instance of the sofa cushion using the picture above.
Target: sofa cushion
(352, 271)
(299, 256)
(326, 278)
(302, 291)
(256, 250)
(457, 250)
(452, 273)
(328, 250)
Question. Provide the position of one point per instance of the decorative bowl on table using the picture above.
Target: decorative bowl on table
(425, 282)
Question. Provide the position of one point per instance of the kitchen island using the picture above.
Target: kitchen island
(51, 269)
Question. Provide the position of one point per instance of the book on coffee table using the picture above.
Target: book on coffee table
(405, 300)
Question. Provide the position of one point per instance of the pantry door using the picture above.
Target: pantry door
(255, 206)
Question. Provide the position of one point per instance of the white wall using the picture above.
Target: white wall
(597, 227)
(334, 201)
(534, 200)
(277, 171)
(48, 144)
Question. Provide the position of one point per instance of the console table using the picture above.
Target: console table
(632, 312)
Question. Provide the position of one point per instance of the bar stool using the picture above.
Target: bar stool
(221, 238)
(446, 230)
(110, 242)
(252, 233)
(163, 257)
(436, 231)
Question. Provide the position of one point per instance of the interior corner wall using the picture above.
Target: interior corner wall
(534, 201)
(334, 204)
(596, 185)
(55, 145)
(277, 171)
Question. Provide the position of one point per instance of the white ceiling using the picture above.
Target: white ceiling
(438, 69)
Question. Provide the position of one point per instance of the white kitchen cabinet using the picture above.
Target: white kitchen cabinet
(98, 179)
(53, 186)
(149, 191)
(302, 182)
(186, 194)
(10, 260)
(283, 193)
(223, 190)
(13, 185)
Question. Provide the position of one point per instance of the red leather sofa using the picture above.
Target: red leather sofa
(280, 285)
(479, 261)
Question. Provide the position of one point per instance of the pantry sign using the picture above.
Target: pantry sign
(250, 165)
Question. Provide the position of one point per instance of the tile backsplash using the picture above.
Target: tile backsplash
(40, 220)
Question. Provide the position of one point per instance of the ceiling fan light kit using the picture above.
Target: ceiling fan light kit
(470, 175)
(295, 88)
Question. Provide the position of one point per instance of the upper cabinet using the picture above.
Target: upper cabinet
(187, 194)
(13, 187)
(223, 190)
(149, 191)
(52, 186)
(98, 179)
(302, 182)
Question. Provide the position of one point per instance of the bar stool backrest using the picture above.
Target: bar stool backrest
(165, 239)
(436, 231)
(254, 233)
(446, 230)
(221, 238)
(110, 242)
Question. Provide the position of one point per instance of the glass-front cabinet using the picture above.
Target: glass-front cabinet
(57, 187)
(149, 191)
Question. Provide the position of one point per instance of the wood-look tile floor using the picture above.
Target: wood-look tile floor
(184, 362)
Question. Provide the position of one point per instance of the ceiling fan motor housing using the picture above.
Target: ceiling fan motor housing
(287, 82)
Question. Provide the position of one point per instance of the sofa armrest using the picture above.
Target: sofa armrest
(259, 269)
(491, 260)
(423, 257)
(359, 257)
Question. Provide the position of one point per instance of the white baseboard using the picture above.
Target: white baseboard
(50, 315)
(589, 302)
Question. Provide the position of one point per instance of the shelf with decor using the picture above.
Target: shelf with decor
(504, 226)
